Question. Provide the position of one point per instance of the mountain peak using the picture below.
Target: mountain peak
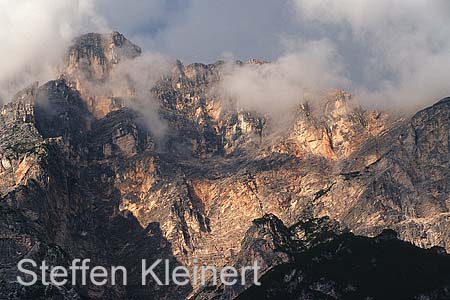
(93, 55)
(91, 61)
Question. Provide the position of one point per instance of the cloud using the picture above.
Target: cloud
(142, 73)
(405, 46)
(275, 88)
(34, 37)
(388, 52)
(131, 79)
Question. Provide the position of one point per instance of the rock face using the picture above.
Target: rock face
(83, 176)
(91, 64)
(57, 200)
(94, 55)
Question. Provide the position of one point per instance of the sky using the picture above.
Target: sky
(388, 52)
(203, 30)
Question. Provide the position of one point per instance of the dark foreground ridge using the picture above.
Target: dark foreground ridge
(317, 260)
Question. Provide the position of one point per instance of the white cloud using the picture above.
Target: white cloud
(386, 51)
(34, 36)
(406, 46)
(275, 88)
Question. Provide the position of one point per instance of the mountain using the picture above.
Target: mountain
(85, 176)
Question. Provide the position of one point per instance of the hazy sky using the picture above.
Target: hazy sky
(205, 30)
(386, 51)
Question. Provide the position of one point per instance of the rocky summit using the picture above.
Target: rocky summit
(342, 203)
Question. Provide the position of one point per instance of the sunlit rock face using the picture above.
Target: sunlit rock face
(83, 174)
(337, 129)
(91, 63)
(95, 55)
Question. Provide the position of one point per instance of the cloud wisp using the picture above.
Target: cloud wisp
(406, 49)
(390, 54)
(35, 35)
(387, 52)
(275, 88)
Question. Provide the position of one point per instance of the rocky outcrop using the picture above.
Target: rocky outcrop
(200, 123)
